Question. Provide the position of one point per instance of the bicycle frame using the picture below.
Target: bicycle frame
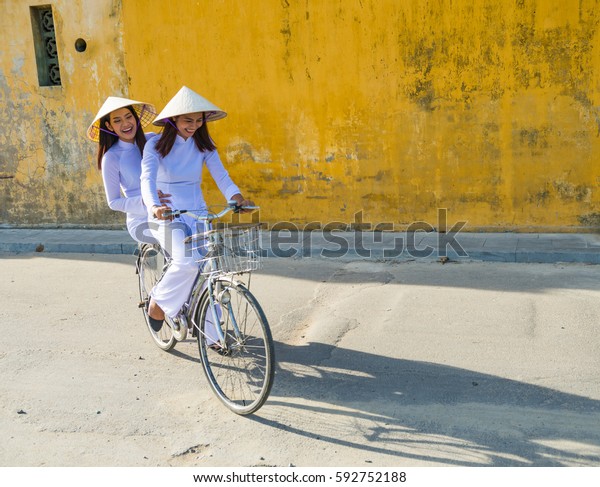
(234, 339)
(204, 283)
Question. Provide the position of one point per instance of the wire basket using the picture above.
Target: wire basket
(228, 250)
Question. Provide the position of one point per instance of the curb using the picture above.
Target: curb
(518, 248)
(67, 248)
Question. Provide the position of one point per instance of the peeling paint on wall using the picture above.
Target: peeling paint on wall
(395, 108)
(48, 164)
(488, 108)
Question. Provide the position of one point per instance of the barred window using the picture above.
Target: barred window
(44, 40)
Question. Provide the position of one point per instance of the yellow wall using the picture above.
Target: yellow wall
(47, 167)
(390, 107)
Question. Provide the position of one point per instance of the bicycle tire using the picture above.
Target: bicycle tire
(150, 269)
(242, 377)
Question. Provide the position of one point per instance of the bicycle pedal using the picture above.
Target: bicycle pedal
(142, 304)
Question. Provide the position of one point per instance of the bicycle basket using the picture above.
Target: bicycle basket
(228, 250)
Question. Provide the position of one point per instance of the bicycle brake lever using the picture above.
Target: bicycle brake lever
(174, 212)
(238, 208)
(234, 206)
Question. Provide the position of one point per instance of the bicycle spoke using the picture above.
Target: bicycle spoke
(151, 266)
(242, 376)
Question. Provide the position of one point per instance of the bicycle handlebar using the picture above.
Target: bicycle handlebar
(233, 206)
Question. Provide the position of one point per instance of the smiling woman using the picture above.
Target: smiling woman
(118, 130)
(123, 123)
(174, 163)
(186, 126)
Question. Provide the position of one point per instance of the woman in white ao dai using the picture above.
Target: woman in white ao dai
(118, 130)
(173, 163)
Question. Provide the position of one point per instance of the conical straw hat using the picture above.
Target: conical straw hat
(188, 101)
(145, 112)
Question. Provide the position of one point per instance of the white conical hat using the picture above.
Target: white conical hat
(188, 101)
(145, 112)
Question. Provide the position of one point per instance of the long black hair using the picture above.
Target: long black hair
(201, 137)
(107, 139)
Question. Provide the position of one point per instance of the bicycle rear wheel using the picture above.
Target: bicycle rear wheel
(151, 267)
(241, 374)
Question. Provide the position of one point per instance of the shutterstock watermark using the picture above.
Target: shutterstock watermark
(365, 240)
(336, 239)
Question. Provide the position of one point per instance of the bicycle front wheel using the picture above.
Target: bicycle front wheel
(240, 367)
(151, 267)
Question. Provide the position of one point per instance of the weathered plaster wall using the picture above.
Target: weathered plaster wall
(47, 171)
(394, 108)
(389, 107)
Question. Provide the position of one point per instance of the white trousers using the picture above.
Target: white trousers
(173, 290)
(137, 226)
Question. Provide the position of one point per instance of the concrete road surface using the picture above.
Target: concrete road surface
(379, 364)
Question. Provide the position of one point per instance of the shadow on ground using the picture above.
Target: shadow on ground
(424, 411)
(505, 276)
(428, 412)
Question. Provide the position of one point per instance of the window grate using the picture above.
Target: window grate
(44, 40)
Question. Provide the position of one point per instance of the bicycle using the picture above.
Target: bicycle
(234, 339)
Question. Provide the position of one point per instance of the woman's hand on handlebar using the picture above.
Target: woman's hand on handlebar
(241, 201)
(159, 212)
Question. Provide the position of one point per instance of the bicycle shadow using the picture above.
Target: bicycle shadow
(426, 411)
